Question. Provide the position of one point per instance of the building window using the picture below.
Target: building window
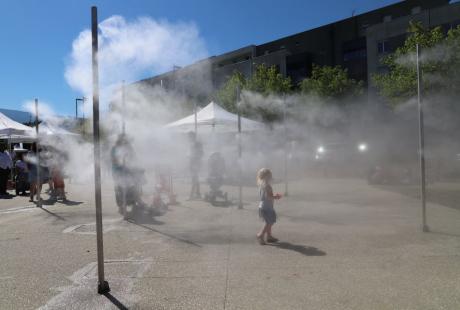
(355, 54)
(387, 18)
(416, 10)
(383, 47)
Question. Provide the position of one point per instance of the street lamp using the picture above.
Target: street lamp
(82, 99)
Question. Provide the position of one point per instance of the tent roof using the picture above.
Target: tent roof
(18, 116)
(215, 118)
(46, 128)
(10, 127)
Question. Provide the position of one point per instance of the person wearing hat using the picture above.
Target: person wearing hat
(6, 163)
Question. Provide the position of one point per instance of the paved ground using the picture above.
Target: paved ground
(344, 245)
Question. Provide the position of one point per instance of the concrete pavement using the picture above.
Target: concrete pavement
(344, 245)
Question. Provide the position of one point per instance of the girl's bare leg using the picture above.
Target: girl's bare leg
(38, 190)
(263, 231)
(269, 231)
(32, 190)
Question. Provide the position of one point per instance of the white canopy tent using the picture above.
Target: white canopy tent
(214, 118)
(49, 129)
(8, 127)
(14, 131)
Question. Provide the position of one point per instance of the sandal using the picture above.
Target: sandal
(272, 239)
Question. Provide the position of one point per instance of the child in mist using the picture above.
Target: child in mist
(266, 210)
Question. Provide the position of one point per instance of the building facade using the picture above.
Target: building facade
(356, 43)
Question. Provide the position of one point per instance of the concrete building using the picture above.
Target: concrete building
(356, 43)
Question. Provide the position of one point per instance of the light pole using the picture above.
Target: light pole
(425, 227)
(82, 100)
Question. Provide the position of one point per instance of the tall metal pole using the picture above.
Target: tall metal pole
(76, 109)
(285, 148)
(123, 107)
(83, 115)
(240, 151)
(39, 181)
(123, 131)
(196, 118)
(421, 144)
(103, 286)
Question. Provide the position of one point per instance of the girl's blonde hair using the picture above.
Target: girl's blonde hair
(264, 176)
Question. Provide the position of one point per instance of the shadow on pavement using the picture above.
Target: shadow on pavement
(144, 215)
(164, 234)
(302, 249)
(52, 202)
(71, 202)
(53, 214)
(115, 301)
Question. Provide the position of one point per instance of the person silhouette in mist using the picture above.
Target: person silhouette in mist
(6, 165)
(196, 156)
(121, 156)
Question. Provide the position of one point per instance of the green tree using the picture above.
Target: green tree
(226, 96)
(265, 81)
(331, 84)
(400, 82)
(268, 81)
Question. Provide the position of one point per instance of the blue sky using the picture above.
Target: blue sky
(37, 35)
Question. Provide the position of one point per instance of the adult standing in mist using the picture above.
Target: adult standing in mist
(6, 163)
(196, 157)
(32, 165)
(121, 153)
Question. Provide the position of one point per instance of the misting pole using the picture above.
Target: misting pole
(103, 286)
(240, 188)
(39, 181)
(123, 132)
(196, 119)
(421, 144)
(285, 148)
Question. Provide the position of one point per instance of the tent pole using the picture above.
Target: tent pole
(11, 156)
(39, 181)
(196, 118)
(240, 188)
(425, 227)
(285, 148)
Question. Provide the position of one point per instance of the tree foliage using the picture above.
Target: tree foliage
(331, 84)
(265, 81)
(226, 96)
(439, 63)
(268, 81)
